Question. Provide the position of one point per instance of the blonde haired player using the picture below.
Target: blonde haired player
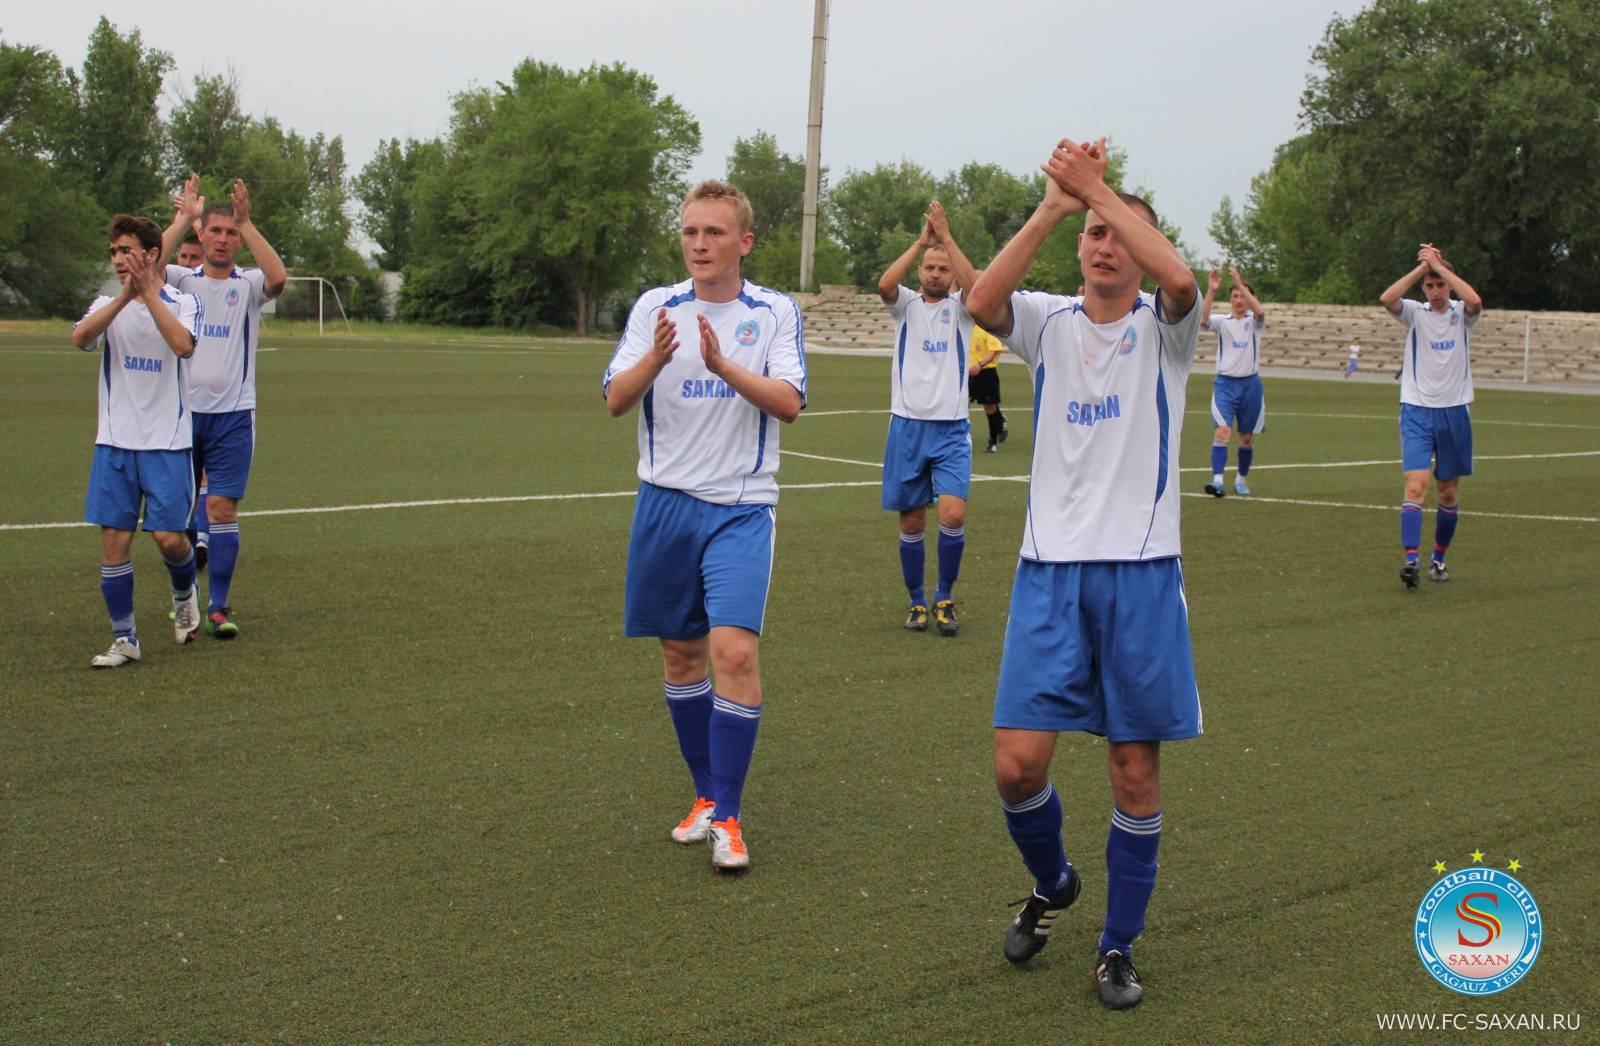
(714, 364)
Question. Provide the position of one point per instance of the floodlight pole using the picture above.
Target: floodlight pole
(808, 221)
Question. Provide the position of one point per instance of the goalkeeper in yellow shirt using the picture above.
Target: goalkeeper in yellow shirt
(984, 387)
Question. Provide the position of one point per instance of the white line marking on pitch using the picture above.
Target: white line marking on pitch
(508, 499)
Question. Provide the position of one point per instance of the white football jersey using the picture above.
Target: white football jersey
(222, 373)
(928, 381)
(1108, 421)
(1238, 344)
(696, 434)
(143, 404)
(1437, 367)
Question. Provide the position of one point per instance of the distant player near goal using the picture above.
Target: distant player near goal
(222, 376)
(142, 468)
(714, 364)
(1435, 388)
(1236, 395)
(1355, 357)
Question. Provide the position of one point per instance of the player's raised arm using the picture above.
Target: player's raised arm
(187, 207)
(940, 225)
(889, 283)
(145, 281)
(1470, 299)
(88, 330)
(1250, 300)
(774, 396)
(1213, 281)
(629, 386)
(1390, 299)
(273, 272)
(989, 301)
(1080, 170)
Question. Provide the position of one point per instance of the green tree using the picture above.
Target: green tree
(585, 167)
(206, 128)
(775, 181)
(1466, 123)
(119, 142)
(385, 187)
(877, 213)
(51, 230)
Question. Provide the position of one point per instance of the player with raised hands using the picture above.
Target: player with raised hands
(222, 376)
(928, 452)
(1236, 396)
(1435, 388)
(1098, 634)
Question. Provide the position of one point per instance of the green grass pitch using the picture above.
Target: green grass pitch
(426, 795)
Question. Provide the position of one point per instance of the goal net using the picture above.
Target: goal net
(311, 298)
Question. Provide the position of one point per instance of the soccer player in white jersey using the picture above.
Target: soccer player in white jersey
(1236, 396)
(1098, 634)
(222, 375)
(929, 450)
(1355, 357)
(1435, 388)
(714, 364)
(145, 333)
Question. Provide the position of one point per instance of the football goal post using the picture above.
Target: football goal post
(308, 295)
(1554, 343)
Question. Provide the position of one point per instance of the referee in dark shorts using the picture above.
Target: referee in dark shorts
(984, 384)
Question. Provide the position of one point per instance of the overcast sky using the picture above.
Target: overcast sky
(1198, 96)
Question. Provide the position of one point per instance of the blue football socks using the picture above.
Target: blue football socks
(733, 742)
(1131, 848)
(913, 561)
(1444, 529)
(690, 706)
(116, 586)
(1219, 458)
(952, 542)
(1035, 826)
(1246, 456)
(223, 554)
(1411, 529)
(182, 573)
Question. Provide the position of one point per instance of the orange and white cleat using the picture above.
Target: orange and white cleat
(728, 852)
(695, 827)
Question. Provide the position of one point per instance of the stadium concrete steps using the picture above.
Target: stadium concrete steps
(1305, 337)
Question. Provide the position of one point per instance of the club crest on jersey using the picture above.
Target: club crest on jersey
(232, 297)
(1454, 319)
(747, 333)
(1130, 340)
(944, 314)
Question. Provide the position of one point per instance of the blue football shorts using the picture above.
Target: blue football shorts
(922, 459)
(1101, 648)
(1239, 404)
(693, 565)
(119, 480)
(224, 445)
(1436, 434)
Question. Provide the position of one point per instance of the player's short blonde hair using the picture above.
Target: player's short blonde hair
(715, 190)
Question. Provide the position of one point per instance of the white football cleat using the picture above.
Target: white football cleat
(120, 652)
(695, 827)
(186, 617)
(728, 853)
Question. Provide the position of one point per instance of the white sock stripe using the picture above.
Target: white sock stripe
(116, 571)
(911, 539)
(1136, 825)
(1033, 802)
(685, 691)
(952, 532)
(722, 704)
(224, 528)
